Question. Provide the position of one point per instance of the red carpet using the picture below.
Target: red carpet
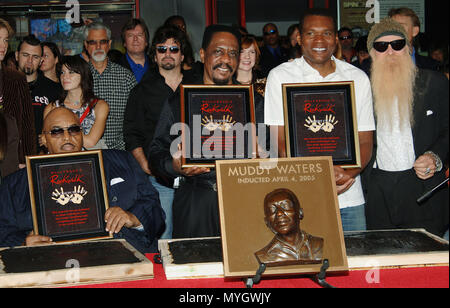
(426, 277)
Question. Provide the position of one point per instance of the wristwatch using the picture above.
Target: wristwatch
(437, 160)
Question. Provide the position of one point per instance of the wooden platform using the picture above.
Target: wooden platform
(72, 264)
(365, 250)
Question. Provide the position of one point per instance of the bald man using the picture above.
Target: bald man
(135, 212)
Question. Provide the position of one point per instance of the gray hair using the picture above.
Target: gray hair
(97, 26)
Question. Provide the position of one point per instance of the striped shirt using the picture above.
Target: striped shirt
(114, 86)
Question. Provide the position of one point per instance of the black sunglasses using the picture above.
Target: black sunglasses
(58, 132)
(397, 45)
(163, 49)
(271, 32)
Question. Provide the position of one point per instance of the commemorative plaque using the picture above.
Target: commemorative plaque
(219, 123)
(68, 196)
(320, 120)
(288, 211)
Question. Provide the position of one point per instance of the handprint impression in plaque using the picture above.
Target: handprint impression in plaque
(211, 124)
(327, 125)
(291, 245)
(76, 196)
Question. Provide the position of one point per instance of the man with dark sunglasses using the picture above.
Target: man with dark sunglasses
(145, 104)
(272, 53)
(345, 36)
(411, 23)
(411, 107)
(134, 210)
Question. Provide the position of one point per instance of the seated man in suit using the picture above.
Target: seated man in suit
(134, 214)
(291, 245)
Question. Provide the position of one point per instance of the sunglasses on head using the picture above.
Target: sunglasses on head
(59, 132)
(397, 45)
(270, 32)
(163, 49)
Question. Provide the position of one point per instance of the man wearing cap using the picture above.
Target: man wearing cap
(411, 108)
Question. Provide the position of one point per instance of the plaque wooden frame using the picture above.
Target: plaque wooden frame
(327, 97)
(246, 109)
(57, 211)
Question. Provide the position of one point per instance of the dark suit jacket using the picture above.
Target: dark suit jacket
(426, 63)
(430, 130)
(131, 191)
(268, 61)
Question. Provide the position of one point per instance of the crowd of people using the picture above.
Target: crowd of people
(126, 104)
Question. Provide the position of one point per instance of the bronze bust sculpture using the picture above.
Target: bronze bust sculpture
(291, 245)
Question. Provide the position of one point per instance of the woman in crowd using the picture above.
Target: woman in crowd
(51, 61)
(248, 63)
(79, 97)
(295, 51)
(9, 136)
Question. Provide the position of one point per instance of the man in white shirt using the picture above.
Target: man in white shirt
(318, 38)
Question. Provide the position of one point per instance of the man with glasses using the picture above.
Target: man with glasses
(146, 102)
(346, 40)
(43, 90)
(272, 53)
(318, 38)
(134, 211)
(411, 107)
(112, 82)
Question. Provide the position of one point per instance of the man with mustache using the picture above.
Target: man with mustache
(134, 213)
(411, 108)
(43, 90)
(195, 205)
(146, 102)
(112, 82)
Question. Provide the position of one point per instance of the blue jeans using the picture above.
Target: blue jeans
(166, 198)
(353, 218)
(446, 235)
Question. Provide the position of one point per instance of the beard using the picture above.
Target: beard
(168, 66)
(28, 71)
(393, 78)
(99, 55)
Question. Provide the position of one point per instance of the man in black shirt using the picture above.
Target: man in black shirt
(145, 104)
(195, 205)
(43, 90)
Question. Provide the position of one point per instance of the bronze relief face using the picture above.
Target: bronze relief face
(291, 245)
